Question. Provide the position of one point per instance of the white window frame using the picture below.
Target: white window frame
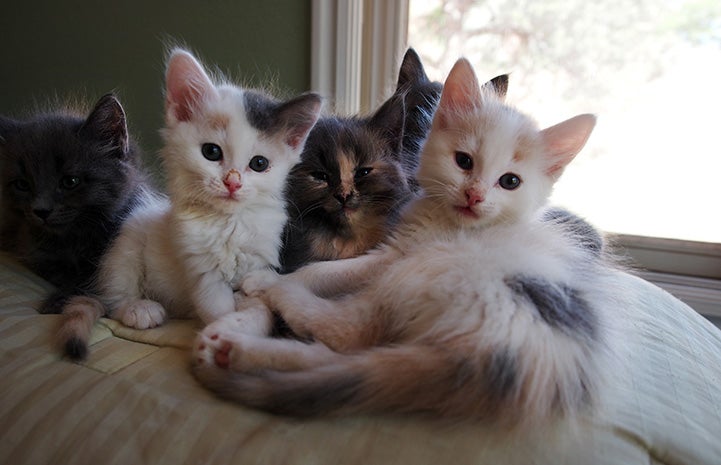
(356, 48)
(355, 54)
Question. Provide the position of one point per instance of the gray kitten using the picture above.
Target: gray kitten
(68, 182)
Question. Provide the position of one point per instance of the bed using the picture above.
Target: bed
(134, 401)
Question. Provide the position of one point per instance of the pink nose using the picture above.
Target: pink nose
(474, 197)
(232, 181)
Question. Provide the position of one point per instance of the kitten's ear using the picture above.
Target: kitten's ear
(499, 86)
(412, 71)
(298, 116)
(461, 92)
(186, 85)
(106, 123)
(564, 140)
(388, 121)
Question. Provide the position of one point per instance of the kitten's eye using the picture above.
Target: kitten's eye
(21, 185)
(259, 163)
(509, 181)
(320, 176)
(464, 161)
(212, 152)
(360, 172)
(69, 182)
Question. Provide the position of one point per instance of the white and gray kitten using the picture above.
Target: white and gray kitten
(227, 153)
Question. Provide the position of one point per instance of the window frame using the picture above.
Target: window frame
(356, 49)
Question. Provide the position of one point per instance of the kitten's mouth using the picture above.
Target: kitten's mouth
(467, 212)
(230, 197)
(50, 224)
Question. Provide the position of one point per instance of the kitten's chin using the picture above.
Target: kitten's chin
(230, 198)
(467, 212)
(468, 217)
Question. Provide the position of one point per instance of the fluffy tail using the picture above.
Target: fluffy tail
(498, 386)
(78, 317)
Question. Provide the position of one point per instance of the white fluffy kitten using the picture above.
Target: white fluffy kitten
(475, 308)
(227, 153)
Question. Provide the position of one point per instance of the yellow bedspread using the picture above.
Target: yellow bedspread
(134, 401)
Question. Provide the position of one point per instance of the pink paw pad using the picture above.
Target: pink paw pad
(222, 355)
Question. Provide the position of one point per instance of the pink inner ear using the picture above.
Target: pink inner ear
(461, 92)
(564, 140)
(294, 139)
(300, 115)
(297, 134)
(187, 84)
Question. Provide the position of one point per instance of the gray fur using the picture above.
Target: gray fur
(260, 110)
(558, 305)
(268, 115)
(578, 228)
(501, 373)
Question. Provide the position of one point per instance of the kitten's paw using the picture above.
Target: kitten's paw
(210, 350)
(256, 282)
(219, 344)
(141, 314)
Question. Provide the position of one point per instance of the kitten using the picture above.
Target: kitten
(420, 96)
(227, 152)
(356, 174)
(68, 182)
(476, 308)
(346, 192)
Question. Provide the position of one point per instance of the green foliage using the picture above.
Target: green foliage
(561, 43)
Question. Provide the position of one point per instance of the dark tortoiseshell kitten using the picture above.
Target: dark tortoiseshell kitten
(68, 181)
(345, 194)
(356, 173)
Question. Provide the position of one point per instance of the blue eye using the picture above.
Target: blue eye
(464, 161)
(509, 181)
(212, 152)
(259, 163)
(69, 182)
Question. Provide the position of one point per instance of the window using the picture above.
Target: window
(648, 68)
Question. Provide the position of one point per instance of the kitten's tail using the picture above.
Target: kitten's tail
(78, 317)
(494, 386)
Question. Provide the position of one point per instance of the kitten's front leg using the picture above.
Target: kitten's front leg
(340, 324)
(326, 279)
(335, 277)
(212, 297)
(140, 314)
(256, 282)
(251, 316)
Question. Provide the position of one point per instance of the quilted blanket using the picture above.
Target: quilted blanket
(134, 401)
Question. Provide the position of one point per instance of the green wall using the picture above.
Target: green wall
(62, 48)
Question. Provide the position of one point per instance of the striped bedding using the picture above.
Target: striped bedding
(134, 402)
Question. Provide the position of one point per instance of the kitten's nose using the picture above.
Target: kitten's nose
(232, 181)
(41, 213)
(343, 197)
(474, 197)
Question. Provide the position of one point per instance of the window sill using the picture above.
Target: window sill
(689, 270)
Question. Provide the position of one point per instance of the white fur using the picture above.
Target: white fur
(186, 257)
